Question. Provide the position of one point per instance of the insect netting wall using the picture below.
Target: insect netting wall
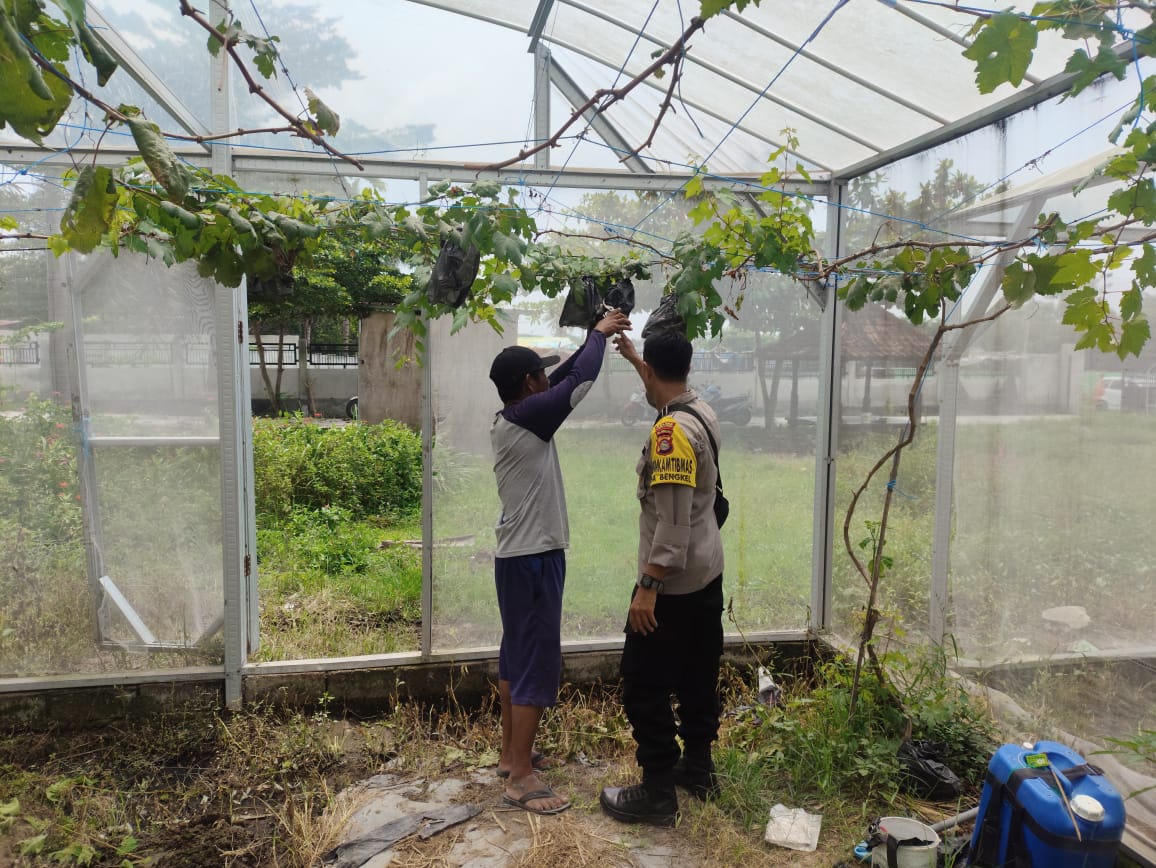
(110, 468)
(768, 408)
(1018, 520)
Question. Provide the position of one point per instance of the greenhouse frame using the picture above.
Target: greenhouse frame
(1017, 536)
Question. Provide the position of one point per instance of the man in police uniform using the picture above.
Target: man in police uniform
(674, 633)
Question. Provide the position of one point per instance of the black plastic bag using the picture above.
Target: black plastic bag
(453, 274)
(620, 296)
(923, 771)
(665, 318)
(583, 305)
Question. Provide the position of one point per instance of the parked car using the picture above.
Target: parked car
(1125, 392)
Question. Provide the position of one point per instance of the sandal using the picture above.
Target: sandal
(533, 796)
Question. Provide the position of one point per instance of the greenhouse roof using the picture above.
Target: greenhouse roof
(859, 84)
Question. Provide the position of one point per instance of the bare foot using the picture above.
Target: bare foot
(543, 799)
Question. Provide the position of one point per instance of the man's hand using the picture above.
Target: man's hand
(626, 346)
(614, 323)
(641, 616)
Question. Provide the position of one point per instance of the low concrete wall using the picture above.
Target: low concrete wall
(356, 691)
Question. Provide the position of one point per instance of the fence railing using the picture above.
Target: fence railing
(20, 354)
(333, 355)
(130, 353)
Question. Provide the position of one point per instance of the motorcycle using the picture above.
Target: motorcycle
(637, 410)
(736, 409)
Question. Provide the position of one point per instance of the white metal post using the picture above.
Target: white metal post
(827, 416)
(427, 435)
(541, 103)
(238, 531)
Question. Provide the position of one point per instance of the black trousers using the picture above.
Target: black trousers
(680, 659)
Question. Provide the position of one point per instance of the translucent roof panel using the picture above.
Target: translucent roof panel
(851, 84)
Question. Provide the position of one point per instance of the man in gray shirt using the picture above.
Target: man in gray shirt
(533, 534)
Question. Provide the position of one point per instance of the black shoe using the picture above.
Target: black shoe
(638, 804)
(702, 783)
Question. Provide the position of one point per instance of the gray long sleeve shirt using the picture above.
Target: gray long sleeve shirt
(529, 479)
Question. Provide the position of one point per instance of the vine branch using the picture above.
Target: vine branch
(298, 126)
(603, 98)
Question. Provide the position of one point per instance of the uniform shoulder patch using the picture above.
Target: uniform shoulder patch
(672, 456)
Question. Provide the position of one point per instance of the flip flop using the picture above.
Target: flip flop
(524, 802)
(538, 761)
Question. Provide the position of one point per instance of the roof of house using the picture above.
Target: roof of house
(872, 334)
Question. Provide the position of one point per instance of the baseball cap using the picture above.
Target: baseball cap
(513, 363)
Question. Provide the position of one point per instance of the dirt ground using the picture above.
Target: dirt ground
(500, 836)
(258, 792)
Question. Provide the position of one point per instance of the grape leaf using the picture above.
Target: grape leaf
(328, 121)
(162, 162)
(1002, 51)
(89, 212)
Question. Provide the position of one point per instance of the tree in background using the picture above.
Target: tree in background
(347, 277)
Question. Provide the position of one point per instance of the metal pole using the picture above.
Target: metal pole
(427, 435)
(826, 431)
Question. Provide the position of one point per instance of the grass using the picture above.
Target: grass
(1034, 528)
(271, 787)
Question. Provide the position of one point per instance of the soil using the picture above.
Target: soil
(582, 835)
(190, 795)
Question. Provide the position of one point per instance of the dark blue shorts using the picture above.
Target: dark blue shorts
(530, 600)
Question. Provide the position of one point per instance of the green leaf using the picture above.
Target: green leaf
(168, 171)
(1133, 335)
(507, 248)
(505, 287)
(1074, 268)
(33, 846)
(1131, 303)
(1002, 51)
(1138, 201)
(1145, 41)
(327, 119)
(1144, 267)
(710, 8)
(32, 104)
(1087, 70)
(88, 215)
(103, 62)
(226, 33)
(1019, 283)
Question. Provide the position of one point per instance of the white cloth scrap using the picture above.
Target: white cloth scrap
(793, 828)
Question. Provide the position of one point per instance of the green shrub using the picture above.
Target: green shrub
(38, 477)
(369, 470)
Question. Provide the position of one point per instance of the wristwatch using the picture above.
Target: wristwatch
(649, 582)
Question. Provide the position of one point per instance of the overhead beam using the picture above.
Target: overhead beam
(602, 125)
(140, 72)
(261, 161)
(538, 22)
(1005, 108)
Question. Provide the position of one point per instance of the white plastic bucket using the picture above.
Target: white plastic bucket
(907, 855)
